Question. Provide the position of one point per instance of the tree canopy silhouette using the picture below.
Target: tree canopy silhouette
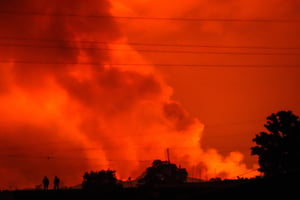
(164, 172)
(101, 179)
(278, 149)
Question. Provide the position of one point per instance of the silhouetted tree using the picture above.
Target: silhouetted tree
(163, 172)
(278, 149)
(101, 179)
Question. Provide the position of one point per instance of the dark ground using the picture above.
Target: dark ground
(282, 187)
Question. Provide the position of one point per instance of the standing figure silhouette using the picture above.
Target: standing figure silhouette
(56, 183)
(45, 182)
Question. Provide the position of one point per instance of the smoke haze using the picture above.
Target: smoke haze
(67, 108)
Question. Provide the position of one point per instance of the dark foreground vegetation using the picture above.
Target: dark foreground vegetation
(261, 188)
(278, 149)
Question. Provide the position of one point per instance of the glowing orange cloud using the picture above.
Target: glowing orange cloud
(62, 118)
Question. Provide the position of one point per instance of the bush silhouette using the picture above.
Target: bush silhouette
(101, 179)
(163, 172)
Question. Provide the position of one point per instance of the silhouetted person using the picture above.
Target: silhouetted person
(45, 183)
(56, 183)
(129, 181)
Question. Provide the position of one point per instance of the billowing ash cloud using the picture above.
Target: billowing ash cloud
(62, 118)
(38, 132)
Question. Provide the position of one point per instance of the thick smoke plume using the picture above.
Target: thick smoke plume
(62, 118)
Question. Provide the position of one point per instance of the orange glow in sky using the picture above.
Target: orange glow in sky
(81, 92)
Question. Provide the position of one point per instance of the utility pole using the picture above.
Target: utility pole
(168, 155)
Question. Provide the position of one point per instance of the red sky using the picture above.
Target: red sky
(73, 99)
(232, 102)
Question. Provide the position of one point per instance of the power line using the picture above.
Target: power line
(210, 52)
(148, 44)
(20, 156)
(233, 124)
(247, 172)
(240, 20)
(140, 64)
(156, 50)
